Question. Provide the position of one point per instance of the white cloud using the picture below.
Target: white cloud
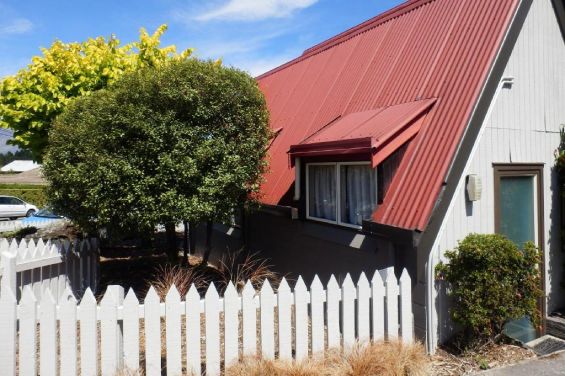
(256, 67)
(254, 10)
(16, 26)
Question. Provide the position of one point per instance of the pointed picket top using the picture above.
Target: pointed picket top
(131, 297)
(405, 277)
(266, 288)
(348, 282)
(333, 282)
(283, 286)
(87, 297)
(377, 280)
(67, 297)
(192, 295)
(248, 289)
(152, 296)
(108, 300)
(28, 297)
(47, 299)
(300, 286)
(363, 281)
(23, 245)
(13, 247)
(231, 291)
(4, 245)
(66, 246)
(316, 284)
(40, 246)
(173, 294)
(211, 292)
(22, 255)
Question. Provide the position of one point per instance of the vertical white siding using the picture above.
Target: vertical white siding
(523, 127)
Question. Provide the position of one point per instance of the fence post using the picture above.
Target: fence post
(8, 322)
(9, 278)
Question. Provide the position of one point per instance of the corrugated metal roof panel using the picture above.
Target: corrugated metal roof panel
(421, 49)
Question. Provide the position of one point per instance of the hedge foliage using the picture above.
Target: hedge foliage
(491, 282)
(33, 194)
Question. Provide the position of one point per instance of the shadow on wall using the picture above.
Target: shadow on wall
(302, 248)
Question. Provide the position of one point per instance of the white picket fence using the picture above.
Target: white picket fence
(290, 324)
(53, 264)
(30, 222)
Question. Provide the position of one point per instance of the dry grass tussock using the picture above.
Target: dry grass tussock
(381, 358)
(236, 267)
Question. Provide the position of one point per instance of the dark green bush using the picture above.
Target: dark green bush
(491, 282)
(21, 233)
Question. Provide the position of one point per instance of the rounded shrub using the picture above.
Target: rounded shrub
(491, 281)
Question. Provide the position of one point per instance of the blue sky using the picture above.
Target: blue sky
(254, 35)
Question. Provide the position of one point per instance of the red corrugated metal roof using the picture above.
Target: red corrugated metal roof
(377, 133)
(421, 49)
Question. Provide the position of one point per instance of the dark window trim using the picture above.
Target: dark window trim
(525, 169)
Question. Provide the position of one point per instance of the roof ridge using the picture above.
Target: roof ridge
(371, 23)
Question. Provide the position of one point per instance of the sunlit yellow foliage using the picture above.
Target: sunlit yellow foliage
(31, 99)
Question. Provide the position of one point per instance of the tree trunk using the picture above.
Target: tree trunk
(208, 247)
(171, 238)
(185, 244)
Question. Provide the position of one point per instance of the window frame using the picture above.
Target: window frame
(337, 191)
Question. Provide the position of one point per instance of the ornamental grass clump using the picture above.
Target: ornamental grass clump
(491, 281)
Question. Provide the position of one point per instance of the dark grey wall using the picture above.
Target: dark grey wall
(306, 248)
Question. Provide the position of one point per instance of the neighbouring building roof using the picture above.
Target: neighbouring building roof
(418, 52)
(19, 166)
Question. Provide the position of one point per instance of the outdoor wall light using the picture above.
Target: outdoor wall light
(474, 187)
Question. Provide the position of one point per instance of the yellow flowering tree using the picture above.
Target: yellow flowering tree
(31, 99)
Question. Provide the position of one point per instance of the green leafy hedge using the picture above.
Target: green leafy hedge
(34, 194)
(491, 282)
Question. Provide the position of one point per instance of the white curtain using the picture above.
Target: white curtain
(358, 188)
(322, 191)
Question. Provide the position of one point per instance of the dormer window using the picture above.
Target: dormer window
(344, 193)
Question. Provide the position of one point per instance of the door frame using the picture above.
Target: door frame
(525, 169)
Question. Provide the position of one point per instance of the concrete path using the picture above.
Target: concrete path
(550, 365)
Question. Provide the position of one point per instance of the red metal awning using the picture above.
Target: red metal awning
(376, 133)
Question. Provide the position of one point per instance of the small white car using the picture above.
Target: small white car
(13, 207)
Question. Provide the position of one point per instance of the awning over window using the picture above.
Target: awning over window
(377, 133)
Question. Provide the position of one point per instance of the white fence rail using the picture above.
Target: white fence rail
(53, 264)
(30, 222)
(217, 331)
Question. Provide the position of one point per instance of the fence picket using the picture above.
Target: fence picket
(68, 330)
(363, 304)
(28, 334)
(192, 310)
(267, 321)
(348, 315)
(212, 310)
(348, 295)
(109, 334)
(301, 299)
(378, 295)
(406, 320)
(48, 335)
(131, 331)
(284, 303)
(317, 313)
(332, 306)
(152, 333)
(8, 324)
(173, 332)
(249, 311)
(231, 325)
(391, 293)
(88, 335)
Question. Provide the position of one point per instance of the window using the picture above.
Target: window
(341, 193)
(14, 201)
